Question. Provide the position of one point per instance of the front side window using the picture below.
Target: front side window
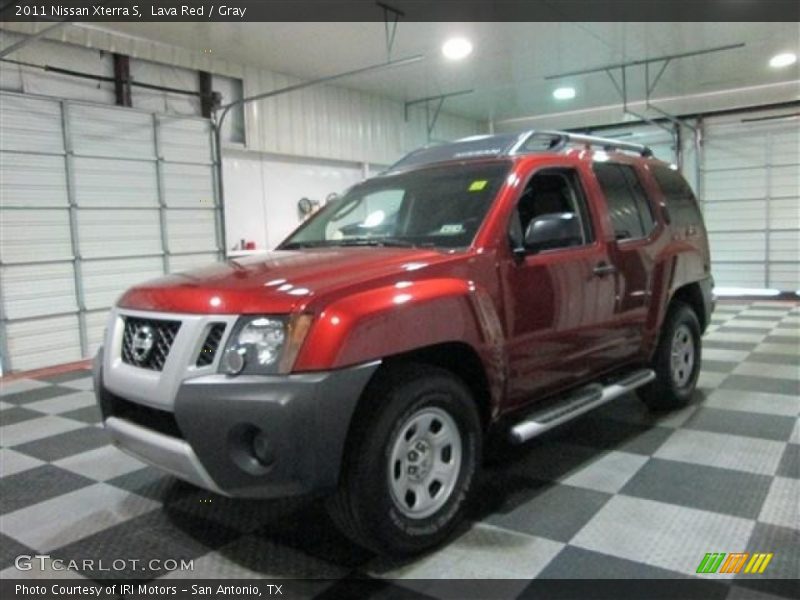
(628, 206)
(441, 207)
(548, 193)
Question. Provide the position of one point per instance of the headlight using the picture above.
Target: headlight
(264, 345)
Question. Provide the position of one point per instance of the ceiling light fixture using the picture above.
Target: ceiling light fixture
(457, 48)
(784, 59)
(564, 93)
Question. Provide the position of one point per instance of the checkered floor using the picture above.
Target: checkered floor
(620, 493)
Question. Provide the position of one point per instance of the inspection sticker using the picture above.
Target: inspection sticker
(477, 185)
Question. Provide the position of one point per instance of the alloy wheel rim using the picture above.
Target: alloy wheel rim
(682, 356)
(424, 463)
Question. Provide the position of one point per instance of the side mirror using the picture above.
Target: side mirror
(553, 230)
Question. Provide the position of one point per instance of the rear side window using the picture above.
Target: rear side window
(681, 203)
(628, 206)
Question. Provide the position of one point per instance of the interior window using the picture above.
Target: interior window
(554, 191)
(628, 207)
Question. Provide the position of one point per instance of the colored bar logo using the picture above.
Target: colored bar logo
(720, 562)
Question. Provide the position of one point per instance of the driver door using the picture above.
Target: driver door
(559, 301)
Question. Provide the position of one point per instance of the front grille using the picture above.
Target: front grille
(146, 342)
(211, 345)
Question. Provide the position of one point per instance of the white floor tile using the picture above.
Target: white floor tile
(72, 516)
(101, 464)
(722, 450)
(659, 534)
(36, 429)
(756, 402)
(12, 462)
(609, 473)
(20, 385)
(782, 506)
(61, 404)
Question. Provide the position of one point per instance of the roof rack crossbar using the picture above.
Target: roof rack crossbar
(560, 139)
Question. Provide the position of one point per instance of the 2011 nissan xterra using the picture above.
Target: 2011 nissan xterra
(497, 285)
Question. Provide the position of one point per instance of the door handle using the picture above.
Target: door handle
(603, 269)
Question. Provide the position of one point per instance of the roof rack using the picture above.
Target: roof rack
(560, 139)
(510, 144)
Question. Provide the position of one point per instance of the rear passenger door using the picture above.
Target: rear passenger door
(631, 253)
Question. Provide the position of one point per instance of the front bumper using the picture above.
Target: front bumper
(207, 438)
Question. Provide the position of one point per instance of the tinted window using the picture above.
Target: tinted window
(642, 203)
(628, 207)
(549, 192)
(680, 200)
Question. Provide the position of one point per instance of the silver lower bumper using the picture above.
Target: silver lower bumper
(161, 451)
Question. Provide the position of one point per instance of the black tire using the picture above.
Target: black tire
(363, 506)
(671, 389)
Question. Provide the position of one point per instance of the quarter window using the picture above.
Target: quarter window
(680, 200)
(628, 206)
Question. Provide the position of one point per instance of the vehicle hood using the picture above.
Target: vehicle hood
(280, 282)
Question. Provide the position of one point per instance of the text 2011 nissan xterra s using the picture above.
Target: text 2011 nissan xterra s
(495, 285)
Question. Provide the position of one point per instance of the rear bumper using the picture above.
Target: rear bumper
(301, 422)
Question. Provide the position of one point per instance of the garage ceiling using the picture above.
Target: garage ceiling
(510, 60)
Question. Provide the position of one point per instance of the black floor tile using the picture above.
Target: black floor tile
(707, 488)
(736, 422)
(43, 393)
(309, 530)
(158, 534)
(781, 575)
(152, 483)
(577, 563)
(66, 444)
(719, 366)
(36, 485)
(16, 414)
(790, 464)
(10, 549)
(608, 434)
(553, 511)
(87, 414)
(722, 345)
(781, 339)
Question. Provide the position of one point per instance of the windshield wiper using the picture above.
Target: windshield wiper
(387, 242)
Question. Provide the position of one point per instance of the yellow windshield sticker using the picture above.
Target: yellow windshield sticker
(477, 185)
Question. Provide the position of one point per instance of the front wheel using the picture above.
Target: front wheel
(411, 462)
(676, 361)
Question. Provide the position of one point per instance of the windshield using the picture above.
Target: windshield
(440, 206)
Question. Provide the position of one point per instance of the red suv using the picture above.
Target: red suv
(497, 285)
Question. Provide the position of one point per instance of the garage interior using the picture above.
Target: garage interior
(115, 168)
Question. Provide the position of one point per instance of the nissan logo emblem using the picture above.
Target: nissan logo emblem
(143, 341)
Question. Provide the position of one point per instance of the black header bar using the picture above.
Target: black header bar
(412, 10)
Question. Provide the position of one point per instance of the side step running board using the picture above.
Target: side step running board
(578, 403)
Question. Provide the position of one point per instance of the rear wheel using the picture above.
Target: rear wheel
(411, 462)
(676, 361)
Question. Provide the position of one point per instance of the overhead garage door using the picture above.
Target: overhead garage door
(93, 199)
(751, 193)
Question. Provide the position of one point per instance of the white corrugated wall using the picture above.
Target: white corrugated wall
(751, 192)
(93, 199)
